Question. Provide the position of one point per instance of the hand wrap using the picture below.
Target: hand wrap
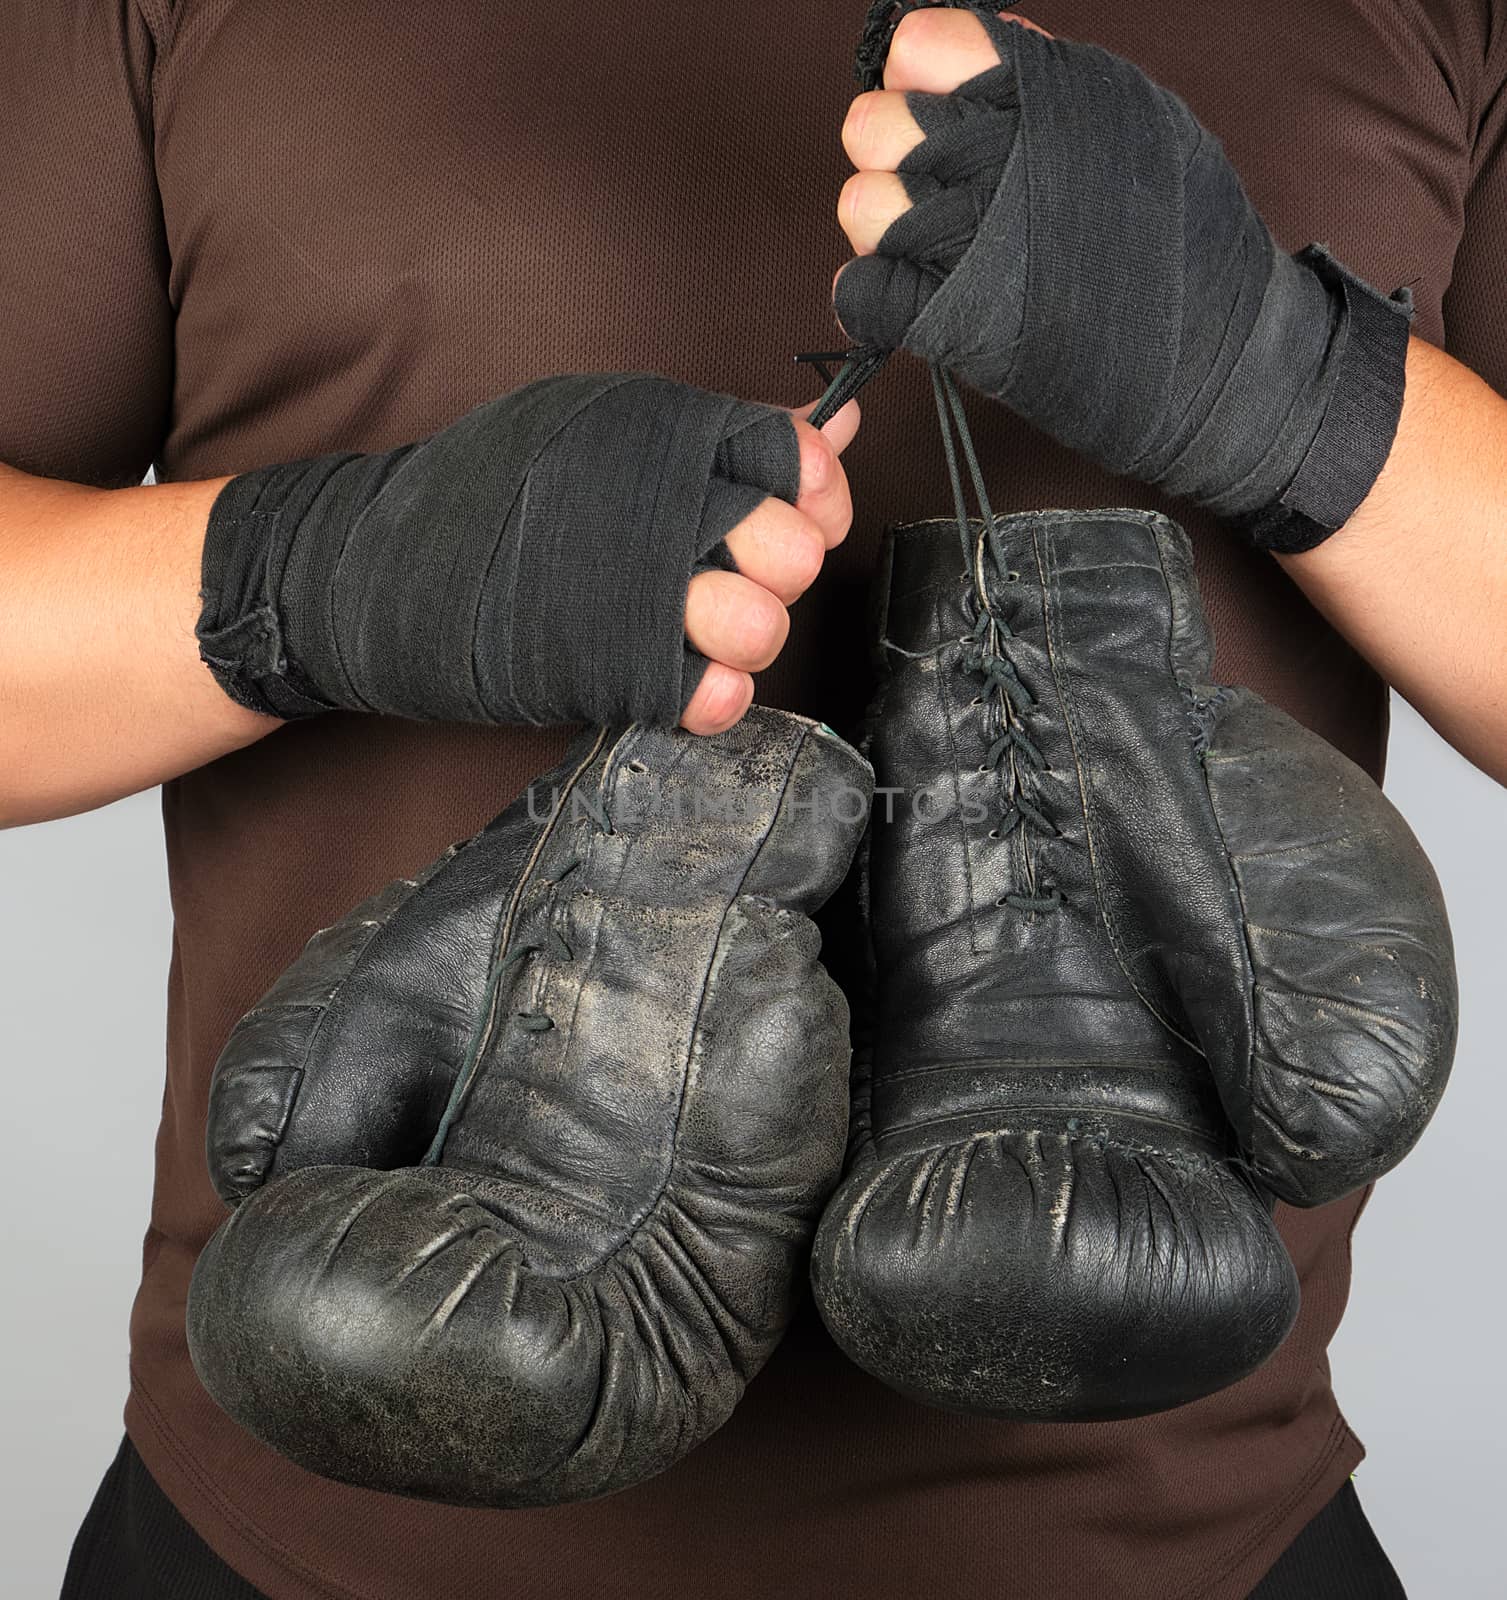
(528, 563)
(1079, 247)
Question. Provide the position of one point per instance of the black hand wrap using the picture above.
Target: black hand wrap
(1079, 246)
(528, 563)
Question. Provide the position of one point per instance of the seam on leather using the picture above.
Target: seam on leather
(322, 1008)
(1248, 975)
(652, 1207)
(1051, 609)
(482, 1033)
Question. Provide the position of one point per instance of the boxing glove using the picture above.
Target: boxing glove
(526, 1152)
(1145, 954)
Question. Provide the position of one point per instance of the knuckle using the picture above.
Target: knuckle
(850, 204)
(766, 626)
(699, 596)
(721, 700)
(805, 562)
(912, 38)
(817, 458)
(736, 698)
(855, 124)
(844, 522)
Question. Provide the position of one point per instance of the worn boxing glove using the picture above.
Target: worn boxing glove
(527, 563)
(1079, 246)
(527, 1151)
(1104, 896)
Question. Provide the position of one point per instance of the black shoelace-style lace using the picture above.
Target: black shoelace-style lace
(551, 942)
(985, 652)
(985, 648)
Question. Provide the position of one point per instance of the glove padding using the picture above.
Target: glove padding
(1150, 954)
(1080, 247)
(527, 564)
(527, 1151)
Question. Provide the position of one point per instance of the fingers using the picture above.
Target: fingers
(824, 496)
(869, 203)
(738, 620)
(732, 619)
(839, 428)
(936, 48)
(779, 549)
(721, 698)
(879, 131)
(933, 50)
(740, 627)
(780, 545)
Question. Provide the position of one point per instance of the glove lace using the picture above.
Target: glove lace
(985, 651)
(1011, 751)
(550, 943)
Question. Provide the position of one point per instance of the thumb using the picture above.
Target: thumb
(839, 428)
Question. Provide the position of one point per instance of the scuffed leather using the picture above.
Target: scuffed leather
(1070, 1123)
(1269, 899)
(576, 1292)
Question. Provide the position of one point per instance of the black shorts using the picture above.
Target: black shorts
(135, 1545)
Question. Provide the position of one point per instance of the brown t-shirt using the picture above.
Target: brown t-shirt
(243, 232)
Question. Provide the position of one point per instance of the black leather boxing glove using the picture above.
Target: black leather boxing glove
(528, 563)
(527, 1151)
(1146, 953)
(1080, 247)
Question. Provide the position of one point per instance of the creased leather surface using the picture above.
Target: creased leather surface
(1047, 1213)
(1258, 881)
(622, 1005)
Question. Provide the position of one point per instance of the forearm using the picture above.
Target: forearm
(1259, 384)
(1417, 578)
(102, 691)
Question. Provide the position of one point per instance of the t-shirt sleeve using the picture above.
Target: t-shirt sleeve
(1475, 305)
(86, 379)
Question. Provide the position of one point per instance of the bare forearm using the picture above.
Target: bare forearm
(1417, 579)
(102, 691)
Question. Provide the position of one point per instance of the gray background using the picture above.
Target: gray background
(84, 942)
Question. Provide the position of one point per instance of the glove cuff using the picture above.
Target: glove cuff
(1365, 375)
